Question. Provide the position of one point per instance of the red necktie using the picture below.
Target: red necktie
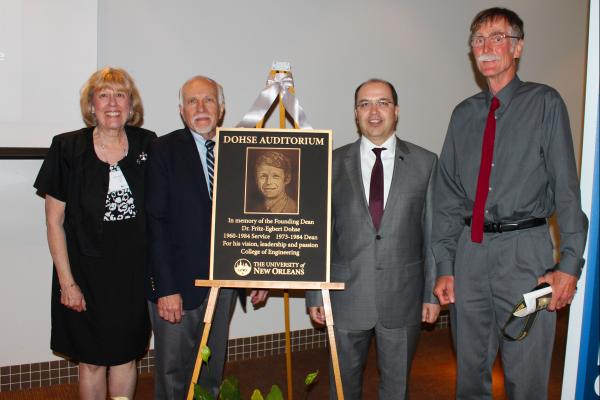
(376, 189)
(485, 168)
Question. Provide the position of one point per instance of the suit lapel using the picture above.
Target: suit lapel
(191, 159)
(401, 160)
(128, 164)
(352, 164)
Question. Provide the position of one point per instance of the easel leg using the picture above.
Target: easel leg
(208, 316)
(334, 354)
(286, 295)
(281, 116)
(288, 345)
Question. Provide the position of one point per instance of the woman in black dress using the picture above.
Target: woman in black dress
(93, 182)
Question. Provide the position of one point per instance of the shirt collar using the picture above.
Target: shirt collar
(198, 138)
(505, 95)
(390, 145)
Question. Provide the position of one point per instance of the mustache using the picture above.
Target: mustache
(488, 57)
(201, 116)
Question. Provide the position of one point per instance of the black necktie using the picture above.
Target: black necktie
(376, 189)
(210, 164)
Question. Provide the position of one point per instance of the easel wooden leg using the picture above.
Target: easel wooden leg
(208, 316)
(281, 116)
(288, 345)
(286, 295)
(334, 354)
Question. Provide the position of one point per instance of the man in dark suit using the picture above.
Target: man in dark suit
(381, 207)
(179, 202)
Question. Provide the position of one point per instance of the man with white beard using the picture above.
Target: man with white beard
(178, 207)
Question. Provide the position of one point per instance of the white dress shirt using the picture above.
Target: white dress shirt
(367, 160)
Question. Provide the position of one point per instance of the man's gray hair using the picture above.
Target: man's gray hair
(221, 96)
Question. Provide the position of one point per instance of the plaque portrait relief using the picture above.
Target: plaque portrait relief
(272, 180)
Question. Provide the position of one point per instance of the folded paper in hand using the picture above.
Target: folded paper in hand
(532, 302)
(537, 299)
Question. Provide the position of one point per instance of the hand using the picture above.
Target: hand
(563, 288)
(444, 289)
(170, 308)
(317, 314)
(430, 312)
(72, 298)
(258, 296)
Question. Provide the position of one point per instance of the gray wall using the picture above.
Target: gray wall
(47, 50)
(420, 46)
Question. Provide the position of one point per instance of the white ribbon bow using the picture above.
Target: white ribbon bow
(280, 84)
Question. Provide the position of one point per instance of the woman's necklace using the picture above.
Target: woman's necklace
(104, 150)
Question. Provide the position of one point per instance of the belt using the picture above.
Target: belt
(499, 227)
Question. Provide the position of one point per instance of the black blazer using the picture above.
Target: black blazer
(72, 173)
(178, 211)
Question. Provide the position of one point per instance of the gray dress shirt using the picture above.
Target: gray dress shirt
(533, 170)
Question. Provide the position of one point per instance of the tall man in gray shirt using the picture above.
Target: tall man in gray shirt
(506, 166)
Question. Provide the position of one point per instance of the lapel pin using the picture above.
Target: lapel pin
(141, 158)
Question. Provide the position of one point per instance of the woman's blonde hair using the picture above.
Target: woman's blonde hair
(116, 79)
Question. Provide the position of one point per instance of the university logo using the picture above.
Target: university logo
(242, 267)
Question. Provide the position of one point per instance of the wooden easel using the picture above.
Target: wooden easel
(215, 285)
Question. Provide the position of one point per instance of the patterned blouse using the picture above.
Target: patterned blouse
(119, 203)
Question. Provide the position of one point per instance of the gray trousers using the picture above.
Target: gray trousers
(395, 352)
(176, 348)
(490, 278)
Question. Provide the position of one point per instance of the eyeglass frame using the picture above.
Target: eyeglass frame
(379, 104)
(484, 38)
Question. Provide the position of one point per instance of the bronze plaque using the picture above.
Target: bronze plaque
(271, 205)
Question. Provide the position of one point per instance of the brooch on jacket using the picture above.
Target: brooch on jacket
(141, 158)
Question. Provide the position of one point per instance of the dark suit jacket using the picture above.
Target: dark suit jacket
(178, 211)
(73, 173)
(388, 273)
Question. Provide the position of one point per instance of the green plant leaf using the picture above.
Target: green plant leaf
(205, 353)
(257, 395)
(230, 389)
(275, 393)
(202, 394)
(310, 378)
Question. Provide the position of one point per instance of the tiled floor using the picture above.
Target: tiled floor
(432, 377)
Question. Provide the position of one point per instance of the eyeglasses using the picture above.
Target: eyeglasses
(366, 104)
(496, 39)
